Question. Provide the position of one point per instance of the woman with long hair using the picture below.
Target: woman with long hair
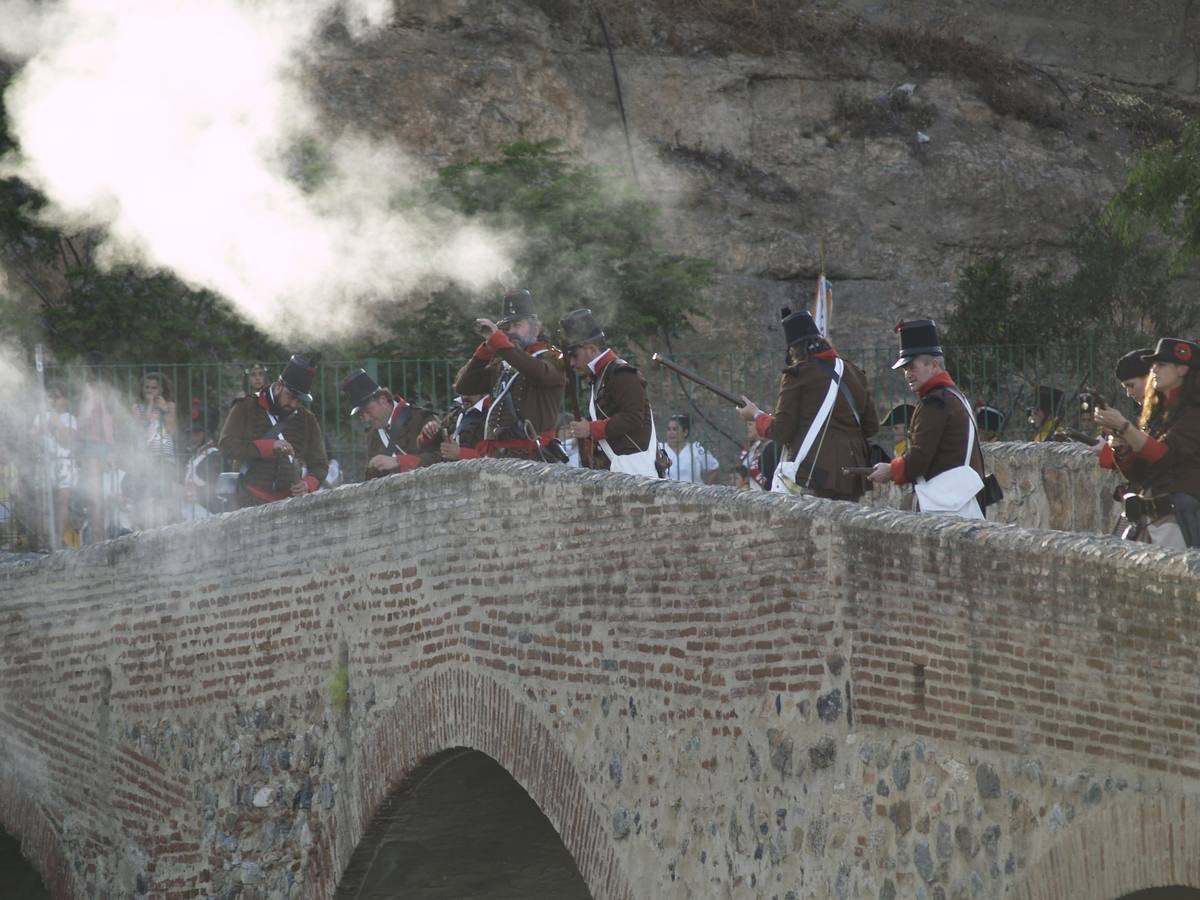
(1161, 454)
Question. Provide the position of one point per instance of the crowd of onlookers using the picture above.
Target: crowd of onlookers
(91, 464)
(86, 465)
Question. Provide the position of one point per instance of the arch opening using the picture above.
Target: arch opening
(17, 877)
(1175, 892)
(460, 825)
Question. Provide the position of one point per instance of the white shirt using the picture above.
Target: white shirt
(692, 463)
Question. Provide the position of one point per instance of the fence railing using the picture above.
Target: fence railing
(1005, 377)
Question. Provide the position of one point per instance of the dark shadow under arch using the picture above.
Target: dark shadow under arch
(460, 826)
(17, 877)
(1164, 893)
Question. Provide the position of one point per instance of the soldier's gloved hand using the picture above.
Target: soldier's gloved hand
(430, 429)
(451, 450)
(486, 327)
(748, 410)
(579, 429)
(283, 448)
(882, 473)
(383, 464)
(299, 488)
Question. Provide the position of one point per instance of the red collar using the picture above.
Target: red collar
(396, 407)
(536, 346)
(828, 355)
(601, 361)
(262, 398)
(940, 380)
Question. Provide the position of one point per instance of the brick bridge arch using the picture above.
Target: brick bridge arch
(456, 708)
(728, 693)
(1128, 847)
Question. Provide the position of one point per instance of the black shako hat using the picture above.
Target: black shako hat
(1175, 350)
(988, 418)
(359, 387)
(517, 304)
(297, 377)
(1133, 364)
(917, 338)
(798, 326)
(900, 415)
(577, 328)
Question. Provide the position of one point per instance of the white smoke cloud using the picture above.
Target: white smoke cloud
(167, 123)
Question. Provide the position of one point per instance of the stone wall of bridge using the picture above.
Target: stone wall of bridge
(707, 693)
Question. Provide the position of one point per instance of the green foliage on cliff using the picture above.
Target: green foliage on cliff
(1163, 189)
(1115, 291)
(587, 238)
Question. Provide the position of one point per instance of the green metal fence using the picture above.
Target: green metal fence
(1005, 377)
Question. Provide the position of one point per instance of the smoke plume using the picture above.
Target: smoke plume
(177, 129)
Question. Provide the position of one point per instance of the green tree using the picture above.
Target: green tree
(1163, 188)
(588, 239)
(1116, 291)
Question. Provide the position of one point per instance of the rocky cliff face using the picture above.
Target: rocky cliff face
(907, 137)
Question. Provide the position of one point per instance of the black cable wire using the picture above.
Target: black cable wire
(612, 62)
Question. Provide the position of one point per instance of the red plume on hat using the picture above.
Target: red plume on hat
(1183, 352)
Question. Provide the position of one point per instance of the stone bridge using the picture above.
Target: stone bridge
(697, 692)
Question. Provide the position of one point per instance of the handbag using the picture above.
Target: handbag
(991, 493)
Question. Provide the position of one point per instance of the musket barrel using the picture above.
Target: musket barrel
(659, 360)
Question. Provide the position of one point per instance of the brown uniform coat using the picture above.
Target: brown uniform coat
(938, 435)
(1178, 471)
(621, 402)
(537, 391)
(248, 421)
(802, 390)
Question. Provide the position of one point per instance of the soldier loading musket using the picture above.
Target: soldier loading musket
(278, 437)
(1163, 455)
(944, 459)
(524, 375)
(824, 415)
(621, 421)
(462, 428)
(400, 437)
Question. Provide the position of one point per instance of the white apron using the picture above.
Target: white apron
(639, 463)
(953, 491)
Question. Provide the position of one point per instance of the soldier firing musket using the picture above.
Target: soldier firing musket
(824, 415)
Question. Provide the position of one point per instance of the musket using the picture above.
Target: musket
(659, 360)
(586, 451)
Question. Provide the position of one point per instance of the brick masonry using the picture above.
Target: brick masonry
(709, 693)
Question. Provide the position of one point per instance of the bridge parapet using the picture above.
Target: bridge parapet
(708, 692)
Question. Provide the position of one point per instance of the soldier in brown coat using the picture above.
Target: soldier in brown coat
(621, 421)
(400, 436)
(278, 437)
(1161, 453)
(824, 414)
(525, 376)
(943, 425)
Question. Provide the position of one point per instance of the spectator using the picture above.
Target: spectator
(254, 379)
(97, 453)
(154, 484)
(56, 430)
(689, 460)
